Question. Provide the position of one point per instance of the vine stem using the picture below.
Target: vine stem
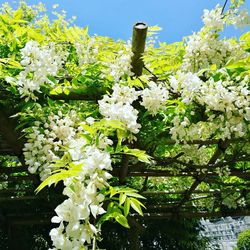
(224, 6)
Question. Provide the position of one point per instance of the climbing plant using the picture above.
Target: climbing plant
(87, 117)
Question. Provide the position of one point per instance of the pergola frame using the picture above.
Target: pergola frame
(11, 143)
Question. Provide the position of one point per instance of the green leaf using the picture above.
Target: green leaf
(126, 207)
(111, 124)
(60, 175)
(140, 154)
(66, 91)
(103, 218)
(120, 136)
(121, 219)
(53, 179)
(56, 91)
(112, 191)
(213, 67)
(136, 205)
(136, 195)
(11, 63)
(88, 129)
(154, 28)
(122, 198)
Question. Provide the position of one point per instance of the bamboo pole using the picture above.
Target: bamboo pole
(138, 47)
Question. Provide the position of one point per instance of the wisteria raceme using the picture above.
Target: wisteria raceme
(39, 62)
(239, 18)
(87, 53)
(43, 148)
(118, 107)
(124, 94)
(115, 66)
(45, 142)
(120, 65)
(213, 19)
(187, 84)
(216, 20)
(83, 200)
(154, 97)
(205, 49)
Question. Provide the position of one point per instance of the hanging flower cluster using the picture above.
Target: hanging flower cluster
(154, 97)
(84, 198)
(224, 100)
(213, 19)
(87, 53)
(38, 62)
(57, 136)
(231, 102)
(47, 144)
(120, 65)
(205, 49)
(239, 18)
(113, 66)
(46, 141)
(187, 84)
(119, 107)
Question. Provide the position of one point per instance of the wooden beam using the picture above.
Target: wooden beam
(172, 160)
(86, 94)
(23, 198)
(203, 142)
(14, 191)
(30, 177)
(153, 193)
(196, 214)
(122, 172)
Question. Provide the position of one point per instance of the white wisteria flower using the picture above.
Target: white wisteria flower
(87, 51)
(83, 198)
(154, 97)
(118, 107)
(239, 18)
(205, 49)
(46, 140)
(213, 19)
(120, 65)
(188, 84)
(39, 62)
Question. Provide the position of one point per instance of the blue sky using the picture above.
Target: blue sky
(115, 18)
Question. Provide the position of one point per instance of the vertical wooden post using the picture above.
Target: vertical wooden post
(134, 233)
(134, 238)
(138, 47)
(124, 169)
